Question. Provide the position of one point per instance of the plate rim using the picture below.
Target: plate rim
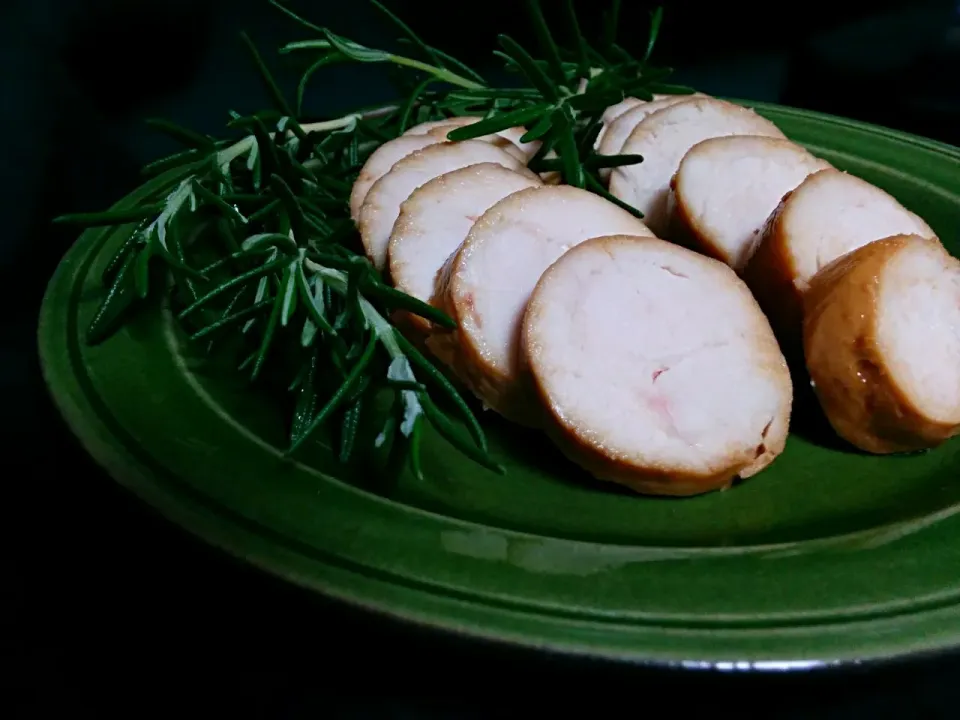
(236, 540)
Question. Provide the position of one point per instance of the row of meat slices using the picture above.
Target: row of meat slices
(652, 364)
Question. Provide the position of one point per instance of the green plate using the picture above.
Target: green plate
(829, 556)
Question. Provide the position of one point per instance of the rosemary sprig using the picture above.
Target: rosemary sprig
(256, 235)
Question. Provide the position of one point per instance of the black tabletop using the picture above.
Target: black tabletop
(115, 610)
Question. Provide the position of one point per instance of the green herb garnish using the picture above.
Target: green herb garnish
(256, 235)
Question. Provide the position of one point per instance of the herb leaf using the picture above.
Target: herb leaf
(529, 67)
(271, 85)
(499, 122)
(355, 51)
(546, 41)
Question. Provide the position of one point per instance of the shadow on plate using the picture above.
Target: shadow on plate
(536, 446)
(808, 420)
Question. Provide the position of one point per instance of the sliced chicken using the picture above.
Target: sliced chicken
(486, 284)
(431, 126)
(618, 109)
(726, 188)
(827, 216)
(882, 343)
(656, 367)
(382, 205)
(508, 139)
(433, 222)
(619, 130)
(664, 137)
(380, 162)
(612, 113)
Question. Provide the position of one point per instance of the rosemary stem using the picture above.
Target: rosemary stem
(375, 112)
(326, 125)
(241, 147)
(363, 147)
(336, 278)
(439, 73)
(248, 143)
(347, 121)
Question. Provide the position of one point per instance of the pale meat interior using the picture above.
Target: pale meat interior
(436, 218)
(918, 328)
(833, 213)
(508, 250)
(618, 131)
(656, 356)
(508, 139)
(617, 109)
(382, 205)
(663, 138)
(380, 162)
(727, 187)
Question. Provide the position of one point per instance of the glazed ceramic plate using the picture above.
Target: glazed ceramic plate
(828, 556)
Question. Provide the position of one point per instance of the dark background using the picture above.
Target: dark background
(111, 609)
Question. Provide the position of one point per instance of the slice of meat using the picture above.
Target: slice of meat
(486, 284)
(882, 344)
(618, 109)
(432, 126)
(619, 130)
(656, 368)
(726, 188)
(664, 137)
(508, 139)
(382, 205)
(828, 215)
(433, 222)
(612, 113)
(380, 162)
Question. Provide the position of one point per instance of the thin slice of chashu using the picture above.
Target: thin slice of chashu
(882, 344)
(382, 205)
(619, 130)
(664, 137)
(726, 188)
(380, 162)
(508, 139)
(828, 215)
(486, 285)
(656, 367)
(435, 220)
